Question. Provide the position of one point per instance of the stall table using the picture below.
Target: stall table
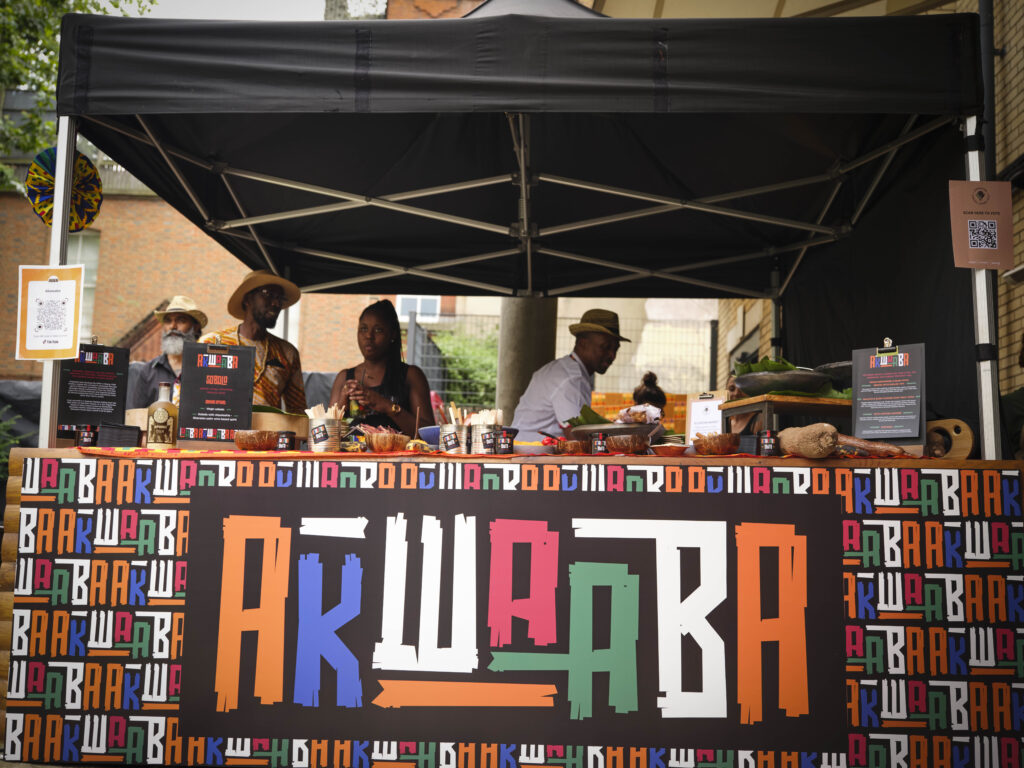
(769, 405)
(358, 611)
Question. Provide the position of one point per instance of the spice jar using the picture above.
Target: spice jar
(768, 443)
(86, 434)
(286, 441)
(598, 444)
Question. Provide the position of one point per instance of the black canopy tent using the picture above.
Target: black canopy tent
(558, 153)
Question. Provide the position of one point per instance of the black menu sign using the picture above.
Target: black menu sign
(216, 391)
(93, 387)
(888, 392)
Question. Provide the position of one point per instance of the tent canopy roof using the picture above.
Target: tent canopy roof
(555, 154)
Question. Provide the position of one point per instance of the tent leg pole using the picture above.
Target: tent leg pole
(67, 131)
(984, 331)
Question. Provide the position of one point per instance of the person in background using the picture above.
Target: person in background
(277, 374)
(386, 391)
(745, 423)
(182, 321)
(650, 393)
(558, 390)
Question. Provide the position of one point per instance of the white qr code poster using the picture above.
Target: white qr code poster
(49, 304)
(981, 222)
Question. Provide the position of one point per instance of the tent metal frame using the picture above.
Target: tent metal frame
(525, 229)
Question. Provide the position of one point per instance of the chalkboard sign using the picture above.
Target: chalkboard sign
(888, 392)
(93, 387)
(216, 391)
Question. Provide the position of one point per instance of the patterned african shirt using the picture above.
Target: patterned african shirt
(278, 372)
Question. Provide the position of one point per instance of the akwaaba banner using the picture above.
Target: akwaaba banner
(332, 614)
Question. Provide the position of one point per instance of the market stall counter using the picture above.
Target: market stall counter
(303, 610)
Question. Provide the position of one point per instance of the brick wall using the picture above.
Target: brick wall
(729, 313)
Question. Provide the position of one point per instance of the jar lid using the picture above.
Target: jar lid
(86, 427)
(767, 433)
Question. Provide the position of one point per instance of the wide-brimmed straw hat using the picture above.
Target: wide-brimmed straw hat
(258, 279)
(598, 321)
(182, 305)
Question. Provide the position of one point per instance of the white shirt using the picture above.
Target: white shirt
(556, 394)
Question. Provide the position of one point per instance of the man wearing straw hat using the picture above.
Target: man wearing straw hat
(182, 321)
(561, 388)
(277, 374)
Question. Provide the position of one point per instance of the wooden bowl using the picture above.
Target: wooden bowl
(386, 442)
(572, 446)
(634, 443)
(256, 439)
(717, 445)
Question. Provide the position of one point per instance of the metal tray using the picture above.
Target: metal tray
(587, 431)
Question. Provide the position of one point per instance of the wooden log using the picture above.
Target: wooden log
(12, 518)
(9, 547)
(13, 494)
(7, 575)
(6, 606)
(6, 630)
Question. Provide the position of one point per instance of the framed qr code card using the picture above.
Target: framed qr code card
(49, 303)
(981, 223)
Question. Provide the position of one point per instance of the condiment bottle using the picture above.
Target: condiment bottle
(162, 423)
(598, 444)
(767, 443)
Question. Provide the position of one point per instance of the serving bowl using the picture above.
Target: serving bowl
(256, 439)
(717, 445)
(386, 442)
(572, 446)
(669, 449)
(798, 380)
(634, 442)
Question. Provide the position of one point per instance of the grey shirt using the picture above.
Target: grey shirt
(144, 381)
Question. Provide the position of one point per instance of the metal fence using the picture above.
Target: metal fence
(459, 355)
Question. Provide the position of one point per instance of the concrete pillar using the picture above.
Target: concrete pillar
(526, 341)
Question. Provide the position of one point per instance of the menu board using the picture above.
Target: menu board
(216, 391)
(888, 392)
(703, 415)
(93, 387)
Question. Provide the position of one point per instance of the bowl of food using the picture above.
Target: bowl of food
(716, 444)
(633, 443)
(256, 439)
(386, 442)
(563, 447)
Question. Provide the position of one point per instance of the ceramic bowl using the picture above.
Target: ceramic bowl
(256, 439)
(667, 449)
(431, 434)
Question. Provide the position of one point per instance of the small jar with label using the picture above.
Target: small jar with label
(768, 443)
(86, 435)
(598, 444)
(286, 441)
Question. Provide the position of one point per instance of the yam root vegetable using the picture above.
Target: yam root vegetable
(815, 441)
(871, 447)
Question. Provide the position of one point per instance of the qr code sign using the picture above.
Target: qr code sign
(982, 233)
(51, 314)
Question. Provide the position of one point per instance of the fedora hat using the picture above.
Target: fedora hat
(598, 321)
(182, 305)
(258, 279)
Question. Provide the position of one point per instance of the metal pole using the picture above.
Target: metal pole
(412, 340)
(67, 130)
(984, 327)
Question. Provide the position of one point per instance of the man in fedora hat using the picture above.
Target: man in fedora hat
(561, 388)
(182, 321)
(278, 373)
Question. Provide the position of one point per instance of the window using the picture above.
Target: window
(427, 308)
(84, 248)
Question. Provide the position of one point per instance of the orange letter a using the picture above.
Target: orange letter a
(267, 620)
(789, 628)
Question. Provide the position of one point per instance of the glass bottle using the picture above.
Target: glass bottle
(162, 424)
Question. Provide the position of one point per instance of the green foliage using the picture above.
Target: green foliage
(29, 46)
(472, 367)
(7, 441)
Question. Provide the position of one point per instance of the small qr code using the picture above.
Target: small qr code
(983, 233)
(51, 314)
